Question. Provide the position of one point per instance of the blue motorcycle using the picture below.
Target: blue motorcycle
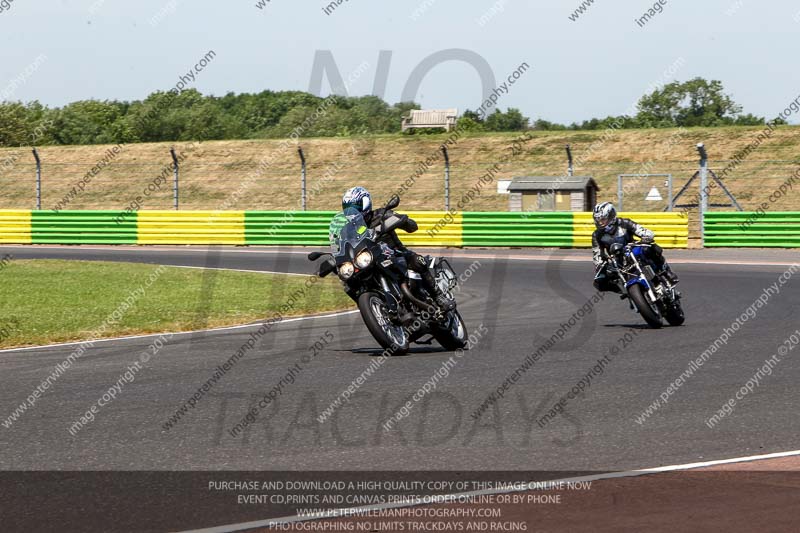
(650, 294)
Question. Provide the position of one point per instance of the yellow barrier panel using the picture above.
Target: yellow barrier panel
(190, 227)
(15, 226)
(447, 234)
(671, 229)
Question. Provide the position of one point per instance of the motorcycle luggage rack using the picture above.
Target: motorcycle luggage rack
(447, 272)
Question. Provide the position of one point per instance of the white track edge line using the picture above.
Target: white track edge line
(148, 335)
(342, 513)
(240, 270)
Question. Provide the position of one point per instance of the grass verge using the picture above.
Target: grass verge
(50, 301)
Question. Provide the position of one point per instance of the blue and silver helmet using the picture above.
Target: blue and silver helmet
(358, 198)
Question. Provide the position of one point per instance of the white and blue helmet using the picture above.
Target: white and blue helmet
(358, 198)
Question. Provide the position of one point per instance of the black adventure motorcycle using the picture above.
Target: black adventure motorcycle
(650, 295)
(392, 299)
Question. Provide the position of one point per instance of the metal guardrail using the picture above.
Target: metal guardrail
(310, 228)
(752, 229)
(519, 229)
(671, 229)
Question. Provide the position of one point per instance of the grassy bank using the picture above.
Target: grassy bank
(48, 301)
(222, 174)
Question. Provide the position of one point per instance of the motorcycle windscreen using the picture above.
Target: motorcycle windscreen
(348, 227)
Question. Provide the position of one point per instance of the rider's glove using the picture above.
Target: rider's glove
(600, 267)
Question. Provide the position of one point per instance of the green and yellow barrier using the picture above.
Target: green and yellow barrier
(310, 228)
(671, 229)
(518, 229)
(563, 229)
(752, 229)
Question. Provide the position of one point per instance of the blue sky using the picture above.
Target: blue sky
(597, 65)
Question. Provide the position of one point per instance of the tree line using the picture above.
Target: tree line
(192, 116)
(694, 103)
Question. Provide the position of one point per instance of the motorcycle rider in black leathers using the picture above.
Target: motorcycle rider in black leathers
(360, 199)
(612, 230)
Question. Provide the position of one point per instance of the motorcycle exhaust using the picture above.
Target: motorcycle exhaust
(414, 300)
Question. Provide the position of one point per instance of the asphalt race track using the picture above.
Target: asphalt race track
(521, 298)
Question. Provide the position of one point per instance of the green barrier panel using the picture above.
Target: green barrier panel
(780, 229)
(301, 228)
(518, 229)
(83, 227)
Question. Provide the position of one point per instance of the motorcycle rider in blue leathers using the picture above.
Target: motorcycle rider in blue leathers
(614, 230)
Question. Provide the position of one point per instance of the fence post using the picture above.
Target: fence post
(303, 198)
(175, 175)
(701, 149)
(446, 178)
(38, 180)
(570, 167)
(669, 192)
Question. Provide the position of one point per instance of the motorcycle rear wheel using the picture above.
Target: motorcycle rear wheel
(455, 337)
(674, 314)
(389, 335)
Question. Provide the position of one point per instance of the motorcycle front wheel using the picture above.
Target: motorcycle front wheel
(645, 308)
(389, 335)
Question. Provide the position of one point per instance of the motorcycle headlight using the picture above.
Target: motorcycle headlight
(364, 259)
(346, 270)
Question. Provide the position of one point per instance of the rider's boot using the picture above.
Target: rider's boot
(662, 269)
(445, 303)
(667, 272)
(442, 300)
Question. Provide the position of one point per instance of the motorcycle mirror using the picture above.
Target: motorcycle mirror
(393, 202)
(313, 256)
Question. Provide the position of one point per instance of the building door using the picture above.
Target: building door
(530, 202)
